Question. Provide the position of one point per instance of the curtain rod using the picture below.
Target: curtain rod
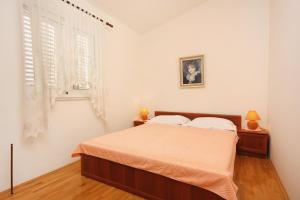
(87, 13)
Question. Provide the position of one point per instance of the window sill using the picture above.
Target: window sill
(68, 98)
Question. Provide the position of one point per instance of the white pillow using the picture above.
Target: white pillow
(169, 119)
(212, 123)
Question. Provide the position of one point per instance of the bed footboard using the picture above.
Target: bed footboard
(142, 183)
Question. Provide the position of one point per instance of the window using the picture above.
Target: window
(60, 52)
(28, 49)
(82, 66)
(48, 45)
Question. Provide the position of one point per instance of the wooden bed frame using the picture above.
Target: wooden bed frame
(146, 184)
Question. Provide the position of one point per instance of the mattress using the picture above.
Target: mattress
(200, 157)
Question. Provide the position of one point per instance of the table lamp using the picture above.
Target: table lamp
(252, 117)
(144, 113)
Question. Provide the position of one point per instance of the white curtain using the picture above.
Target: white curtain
(50, 29)
(79, 22)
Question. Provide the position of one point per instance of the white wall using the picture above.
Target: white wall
(70, 122)
(233, 35)
(284, 109)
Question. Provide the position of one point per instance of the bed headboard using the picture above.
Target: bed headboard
(236, 119)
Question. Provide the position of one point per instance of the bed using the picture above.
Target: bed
(165, 162)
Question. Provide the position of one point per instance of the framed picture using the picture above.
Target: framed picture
(192, 71)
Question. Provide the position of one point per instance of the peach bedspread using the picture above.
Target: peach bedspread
(200, 157)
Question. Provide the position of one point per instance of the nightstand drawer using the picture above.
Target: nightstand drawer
(253, 144)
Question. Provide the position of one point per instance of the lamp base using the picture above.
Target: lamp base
(144, 117)
(252, 125)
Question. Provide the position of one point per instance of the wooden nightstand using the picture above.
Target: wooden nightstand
(138, 122)
(253, 143)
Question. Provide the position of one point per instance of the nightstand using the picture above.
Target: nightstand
(138, 122)
(253, 143)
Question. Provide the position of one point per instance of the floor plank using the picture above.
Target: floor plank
(256, 179)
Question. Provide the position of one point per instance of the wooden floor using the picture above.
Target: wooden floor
(256, 179)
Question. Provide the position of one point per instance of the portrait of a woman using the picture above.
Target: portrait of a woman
(192, 71)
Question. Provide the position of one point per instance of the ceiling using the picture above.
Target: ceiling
(144, 15)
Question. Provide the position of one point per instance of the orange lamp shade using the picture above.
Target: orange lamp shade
(252, 117)
(144, 113)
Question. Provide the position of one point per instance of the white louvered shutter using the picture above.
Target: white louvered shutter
(48, 47)
(82, 56)
(28, 48)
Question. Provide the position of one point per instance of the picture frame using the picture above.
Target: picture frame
(192, 72)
